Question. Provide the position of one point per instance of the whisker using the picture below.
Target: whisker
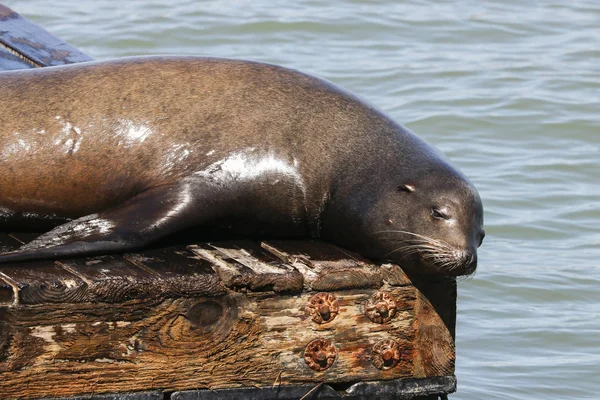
(429, 239)
(412, 251)
(422, 243)
(433, 252)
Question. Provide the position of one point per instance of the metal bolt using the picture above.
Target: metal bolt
(320, 354)
(381, 307)
(322, 308)
(386, 354)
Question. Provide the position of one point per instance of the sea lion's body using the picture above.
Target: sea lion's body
(144, 147)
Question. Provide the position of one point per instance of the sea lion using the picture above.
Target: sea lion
(121, 153)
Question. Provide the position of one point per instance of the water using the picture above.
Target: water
(509, 90)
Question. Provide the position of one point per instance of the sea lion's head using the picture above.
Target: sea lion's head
(434, 227)
(428, 222)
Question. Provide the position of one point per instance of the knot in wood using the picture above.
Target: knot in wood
(322, 308)
(205, 313)
(386, 354)
(381, 307)
(320, 354)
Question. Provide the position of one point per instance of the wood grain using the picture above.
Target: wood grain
(326, 267)
(219, 315)
(245, 265)
(228, 341)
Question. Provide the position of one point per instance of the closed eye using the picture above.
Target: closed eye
(439, 214)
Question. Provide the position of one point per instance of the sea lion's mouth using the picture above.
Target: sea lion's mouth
(427, 256)
(429, 263)
(449, 263)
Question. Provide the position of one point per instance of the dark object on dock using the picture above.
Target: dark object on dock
(26, 45)
(223, 320)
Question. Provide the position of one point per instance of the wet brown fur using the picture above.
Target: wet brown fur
(63, 150)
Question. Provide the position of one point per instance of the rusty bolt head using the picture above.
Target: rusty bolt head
(386, 354)
(322, 308)
(320, 354)
(381, 307)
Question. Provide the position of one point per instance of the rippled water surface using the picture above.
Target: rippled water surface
(509, 90)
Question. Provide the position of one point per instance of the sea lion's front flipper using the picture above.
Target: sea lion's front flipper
(137, 222)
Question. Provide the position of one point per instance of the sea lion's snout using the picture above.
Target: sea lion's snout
(445, 260)
(466, 263)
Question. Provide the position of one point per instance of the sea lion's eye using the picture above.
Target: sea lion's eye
(439, 214)
(406, 188)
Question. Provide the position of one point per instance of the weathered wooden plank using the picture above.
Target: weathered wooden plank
(326, 267)
(240, 265)
(41, 281)
(111, 279)
(246, 265)
(85, 332)
(179, 271)
(137, 346)
(34, 44)
(228, 341)
(158, 273)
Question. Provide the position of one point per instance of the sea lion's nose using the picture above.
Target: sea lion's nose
(472, 261)
(467, 262)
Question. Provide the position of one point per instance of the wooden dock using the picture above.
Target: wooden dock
(219, 320)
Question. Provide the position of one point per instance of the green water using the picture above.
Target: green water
(509, 90)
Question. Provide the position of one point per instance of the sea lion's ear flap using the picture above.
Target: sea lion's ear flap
(406, 188)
